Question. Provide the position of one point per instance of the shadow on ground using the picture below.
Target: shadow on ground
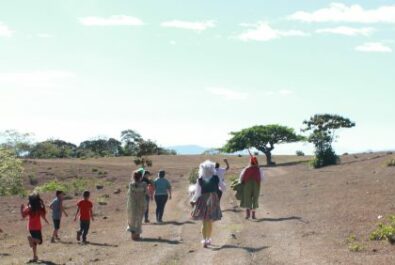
(41, 262)
(160, 241)
(282, 219)
(102, 245)
(176, 223)
(248, 249)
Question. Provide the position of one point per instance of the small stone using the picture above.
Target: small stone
(99, 187)
(105, 217)
(191, 251)
(117, 191)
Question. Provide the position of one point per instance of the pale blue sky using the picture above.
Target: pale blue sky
(189, 72)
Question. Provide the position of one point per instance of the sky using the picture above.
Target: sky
(190, 72)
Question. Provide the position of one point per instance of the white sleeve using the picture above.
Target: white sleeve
(198, 192)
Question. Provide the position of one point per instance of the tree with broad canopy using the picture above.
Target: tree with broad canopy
(263, 138)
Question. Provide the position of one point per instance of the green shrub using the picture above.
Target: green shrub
(193, 176)
(324, 158)
(52, 186)
(11, 174)
(353, 244)
(79, 185)
(384, 231)
(300, 153)
(391, 163)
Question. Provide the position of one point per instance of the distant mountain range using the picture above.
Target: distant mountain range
(189, 149)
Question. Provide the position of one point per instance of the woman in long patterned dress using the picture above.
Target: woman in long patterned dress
(136, 205)
(206, 201)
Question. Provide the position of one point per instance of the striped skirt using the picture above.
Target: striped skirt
(207, 208)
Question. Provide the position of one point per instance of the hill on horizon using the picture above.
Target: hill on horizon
(189, 149)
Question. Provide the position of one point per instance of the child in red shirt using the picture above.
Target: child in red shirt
(85, 212)
(35, 210)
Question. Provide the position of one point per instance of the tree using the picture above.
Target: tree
(53, 149)
(323, 129)
(263, 138)
(11, 170)
(18, 143)
(130, 140)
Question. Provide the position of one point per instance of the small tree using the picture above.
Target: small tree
(323, 129)
(11, 170)
(18, 143)
(263, 138)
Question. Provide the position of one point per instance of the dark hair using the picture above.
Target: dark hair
(137, 176)
(86, 194)
(147, 173)
(217, 165)
(59, 192)
(162, 174)
(36, 204)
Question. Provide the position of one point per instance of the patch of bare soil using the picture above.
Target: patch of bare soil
(305, 217)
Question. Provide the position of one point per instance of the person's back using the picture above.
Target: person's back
(162, 185)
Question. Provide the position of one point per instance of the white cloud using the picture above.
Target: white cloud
(172, 42)
(5, 31)
(118, 20)
(227, 93)
(373, 47)
(339, 12)
(38, 79)
(348, 31)
(263, 32)
(189, 25)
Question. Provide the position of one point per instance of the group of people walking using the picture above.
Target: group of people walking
(35, 210)
(208, 191)
(205, 200)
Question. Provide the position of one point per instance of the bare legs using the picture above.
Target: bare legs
(207, 231)
(33, 244)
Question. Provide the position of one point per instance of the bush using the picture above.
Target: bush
(353, 244)
(193, 176)
(325, 158)
(385, 231)
(52, 186)
(79, 185)
(300, 153)
(391, 163)
(11, 170)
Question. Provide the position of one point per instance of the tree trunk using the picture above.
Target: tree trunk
(268, 155)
